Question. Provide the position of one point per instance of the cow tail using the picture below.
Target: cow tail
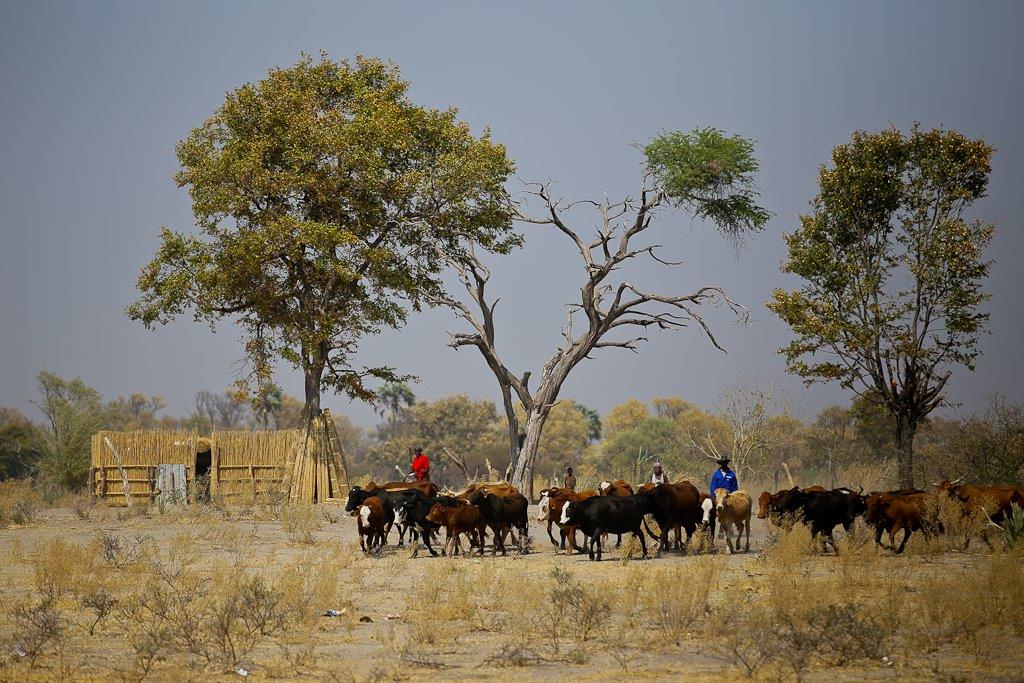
(649, 532)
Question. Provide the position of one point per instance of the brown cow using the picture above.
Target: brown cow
(371, 525)
(465, 519)
(892, 511)
(498, 488)
(733, 509)
(550, 509)
(615, 488)
(993, 501)
(428, 489)
(678, 504)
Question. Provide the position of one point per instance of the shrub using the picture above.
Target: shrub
(20, 502)
(37, 630)
(1013, 526)
(300, 522)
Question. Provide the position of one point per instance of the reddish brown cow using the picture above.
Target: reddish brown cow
(498, 488)
(993, 501)
(892, 511)
(465, 519)
(615, 488)
(678, 504)
(550, 509)
(371, 524)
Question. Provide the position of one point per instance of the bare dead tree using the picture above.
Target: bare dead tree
(608, 307)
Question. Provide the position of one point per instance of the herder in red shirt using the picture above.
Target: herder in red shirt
(420, 465)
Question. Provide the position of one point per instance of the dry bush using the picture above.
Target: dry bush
(676, 597)
(977, 610)
(299, 521)
(788, 544)
(37, 629)
(119, 552)
(83, 504)
(100, 600)
(60, 569)
(20, 502)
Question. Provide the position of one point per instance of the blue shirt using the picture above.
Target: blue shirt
(724, 480)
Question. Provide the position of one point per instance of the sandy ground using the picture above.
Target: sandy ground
(364, 644)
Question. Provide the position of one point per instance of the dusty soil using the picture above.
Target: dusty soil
(383, 596)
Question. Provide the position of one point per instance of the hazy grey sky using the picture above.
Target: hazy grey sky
(95, 95)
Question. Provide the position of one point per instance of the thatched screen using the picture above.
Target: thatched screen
(252, 462)
(141, 451)
(239, 463)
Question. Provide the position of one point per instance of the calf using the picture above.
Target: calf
(503, 513)
(893, 511)
(614, 514)
(463, 519)
(389, 500)
(733, 509)
(413, 511)
(370, 523)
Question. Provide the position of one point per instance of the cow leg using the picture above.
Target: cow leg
(643, 542)
(553, 538)
(746, 546)
(727, 528)
(829, 538)
(906, 535)
(426, 541)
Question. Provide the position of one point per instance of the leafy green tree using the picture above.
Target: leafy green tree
(73, 411)
(18, 444)
(593, 421)
(392, 400)
(704, 172)
(893, 273)
(327, 202)
(629, 452)
(625, 416)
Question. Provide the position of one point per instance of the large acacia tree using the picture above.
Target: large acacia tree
(892, 271)
(328, 204)
(705, 172)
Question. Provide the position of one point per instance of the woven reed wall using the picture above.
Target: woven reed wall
(241, 462)
(252, 462)
(141, 451)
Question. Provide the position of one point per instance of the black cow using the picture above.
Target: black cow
(822, 511)
(608, 514)
(503, 513)
(389, 500)
(413, 512)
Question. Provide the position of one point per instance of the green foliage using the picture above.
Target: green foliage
(892, 270)
(628, 452)
(711, 174)
(18, 444)
(73, 411)
(1013, 526)
(593, 421)
(327, 202)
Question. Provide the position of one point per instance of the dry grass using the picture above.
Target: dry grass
(199, 591)
(20, 502)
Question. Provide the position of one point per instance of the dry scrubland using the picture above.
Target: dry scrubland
(92, 592)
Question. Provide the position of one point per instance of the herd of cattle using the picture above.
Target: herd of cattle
(616, 508)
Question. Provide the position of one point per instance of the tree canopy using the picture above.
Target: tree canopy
(327, 204)
(892, 272)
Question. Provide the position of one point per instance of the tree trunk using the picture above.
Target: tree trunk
(521, 475)
(314, 377)
(905, 432)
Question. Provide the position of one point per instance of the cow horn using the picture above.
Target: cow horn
(957, 481)
(860, 490)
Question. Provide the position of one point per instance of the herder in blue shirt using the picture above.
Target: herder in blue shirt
(724, 478)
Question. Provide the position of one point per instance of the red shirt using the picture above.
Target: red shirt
(420, 466)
